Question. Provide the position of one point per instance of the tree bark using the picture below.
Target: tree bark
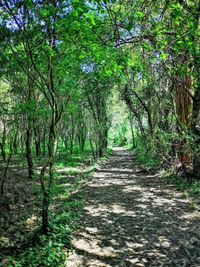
(37, 142)
(196, 132)
(29, 152)
(46, 188)
(132, 132)
(29, 130)
(8, 164)
(3, 142)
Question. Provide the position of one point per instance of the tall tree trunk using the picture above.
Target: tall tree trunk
(132, 132)
(37, 142)
(29, 152)
(105, 136)
(44, 142)
(5, 173)
(71, 145)
(3, 142)
(183, 106)
(55, 118)
(46, 187)
(29, 130)
(22, 137)
(65, 143)
(196, 132)
(92, 149)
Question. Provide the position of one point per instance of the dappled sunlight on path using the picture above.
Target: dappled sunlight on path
(134, 219)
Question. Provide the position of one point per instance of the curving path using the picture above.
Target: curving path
(134, 219)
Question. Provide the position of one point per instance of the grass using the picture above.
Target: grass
(70, 161)
(187, 188)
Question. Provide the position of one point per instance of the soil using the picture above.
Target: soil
(132, 218)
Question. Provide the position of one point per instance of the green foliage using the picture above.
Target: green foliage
(151, 152)
(147, 159)
(48, 252)
(185, 195)
(108, 73)
(189, 189)
(195, 188)
(193, 206)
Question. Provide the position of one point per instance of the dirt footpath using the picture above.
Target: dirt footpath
(134, 219)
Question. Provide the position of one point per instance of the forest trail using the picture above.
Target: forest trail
(134, 219)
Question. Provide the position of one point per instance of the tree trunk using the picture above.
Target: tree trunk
(66, 144)
(132, 132)
(46, 187)
(71, 145)
(92, 149)
(136, 114)
(4, 177)
(44, 142)
(196, 132)
(29, 153)
(37, 143)
(22, 137)
(29, 134)
(3, 142)
(183, 104)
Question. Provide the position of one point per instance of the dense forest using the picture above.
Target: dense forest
(78, 78)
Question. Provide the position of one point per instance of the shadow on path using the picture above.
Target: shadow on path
(133, 219)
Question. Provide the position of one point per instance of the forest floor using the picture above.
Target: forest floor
(20, 206)
(132, 218)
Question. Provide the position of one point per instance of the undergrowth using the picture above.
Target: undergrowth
(65, 215)
(148, 160)
(52, 250)
(65, 212)
(188, 188)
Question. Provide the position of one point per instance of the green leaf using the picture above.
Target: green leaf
(163, 55)
(139, 14)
